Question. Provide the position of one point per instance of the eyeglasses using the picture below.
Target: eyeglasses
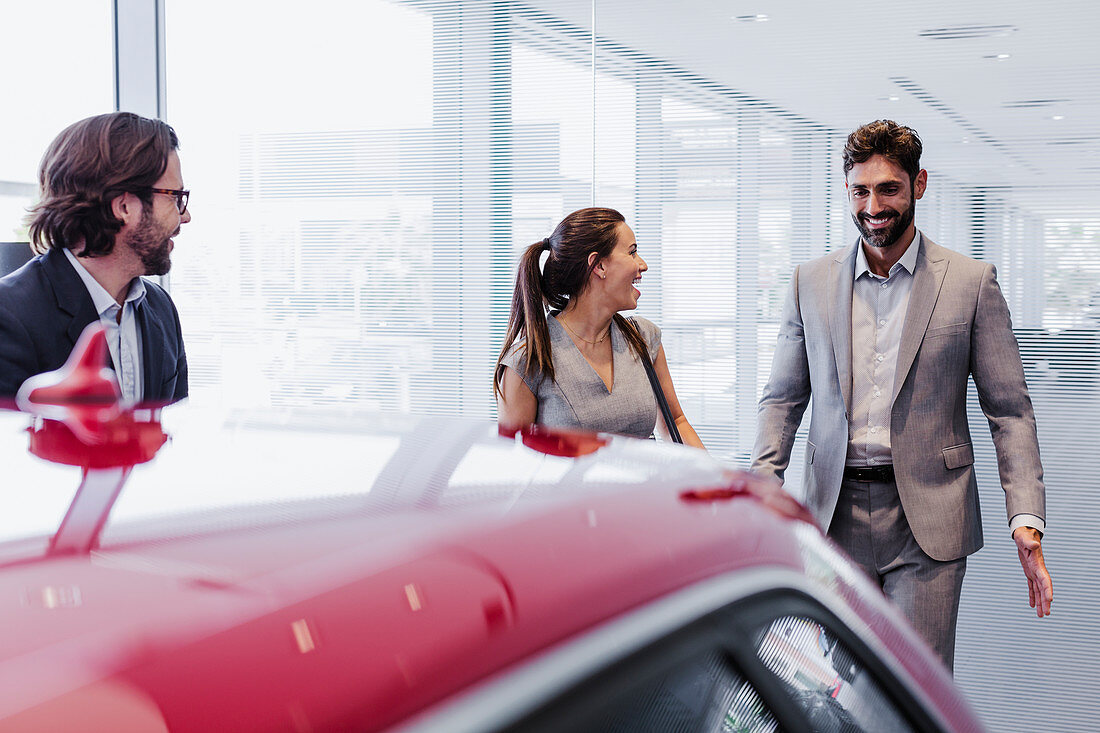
(181, 196)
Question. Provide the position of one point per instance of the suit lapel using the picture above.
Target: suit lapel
(839, 303)
(927, 280)
(72, 297)
(153, 339)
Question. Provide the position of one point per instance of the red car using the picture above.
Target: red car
(310, 571)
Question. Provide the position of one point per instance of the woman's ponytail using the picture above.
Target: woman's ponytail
(527, 320)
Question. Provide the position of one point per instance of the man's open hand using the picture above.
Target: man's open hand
(1040, 588)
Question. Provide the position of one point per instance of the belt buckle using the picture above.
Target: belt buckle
(870, 473)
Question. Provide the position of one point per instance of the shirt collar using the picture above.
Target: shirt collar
(100, 297)
(908, 259)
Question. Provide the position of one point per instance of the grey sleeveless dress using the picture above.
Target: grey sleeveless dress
(578, 398)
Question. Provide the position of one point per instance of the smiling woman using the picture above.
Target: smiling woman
(569, 358)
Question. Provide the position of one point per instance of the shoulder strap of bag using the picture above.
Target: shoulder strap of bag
(659, 393)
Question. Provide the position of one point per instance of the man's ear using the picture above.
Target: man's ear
(127, 208)
(920, 183)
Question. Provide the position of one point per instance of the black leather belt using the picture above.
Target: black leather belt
(869, 473)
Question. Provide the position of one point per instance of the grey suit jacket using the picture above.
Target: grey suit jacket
(957, 325)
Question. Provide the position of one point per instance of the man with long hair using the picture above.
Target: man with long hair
(884, 336)
(111, 198)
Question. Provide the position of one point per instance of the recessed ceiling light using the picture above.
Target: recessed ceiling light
(997, 56)
(758, 18)
(957, 32)
(893, 98)
(1058, 117)
(1032, 103)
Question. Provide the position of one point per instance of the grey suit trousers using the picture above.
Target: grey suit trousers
(870, 524)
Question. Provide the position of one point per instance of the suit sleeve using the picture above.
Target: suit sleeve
(999, 378)
(786, 394)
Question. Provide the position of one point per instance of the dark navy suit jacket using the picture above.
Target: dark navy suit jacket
(44, 307)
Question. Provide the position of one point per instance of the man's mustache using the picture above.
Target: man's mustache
(891, 213)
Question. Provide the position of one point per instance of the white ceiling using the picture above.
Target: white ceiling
(984, 120)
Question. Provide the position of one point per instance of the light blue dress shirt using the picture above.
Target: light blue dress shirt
(123, 335)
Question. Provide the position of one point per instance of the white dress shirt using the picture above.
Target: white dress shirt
(123, 335)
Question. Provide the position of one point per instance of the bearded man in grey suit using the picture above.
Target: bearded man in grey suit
(883, 337)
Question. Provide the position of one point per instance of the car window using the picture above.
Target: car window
(775, 661)
(830, 686)
(705, 693)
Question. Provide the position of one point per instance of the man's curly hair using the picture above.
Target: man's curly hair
(887, 138)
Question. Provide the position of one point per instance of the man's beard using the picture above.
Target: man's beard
(890, 234)
(149, 244)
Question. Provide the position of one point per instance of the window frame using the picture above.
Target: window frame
(729, 632)
(543, 692)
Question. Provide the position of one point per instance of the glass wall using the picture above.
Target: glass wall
(359, 208)
(54, 74)
(365, 174)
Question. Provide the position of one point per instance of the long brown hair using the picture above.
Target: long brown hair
(564, 277)
(88, 165)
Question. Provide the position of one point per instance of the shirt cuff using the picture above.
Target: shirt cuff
(1027, 520)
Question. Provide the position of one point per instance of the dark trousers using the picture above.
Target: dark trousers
(870, 525)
